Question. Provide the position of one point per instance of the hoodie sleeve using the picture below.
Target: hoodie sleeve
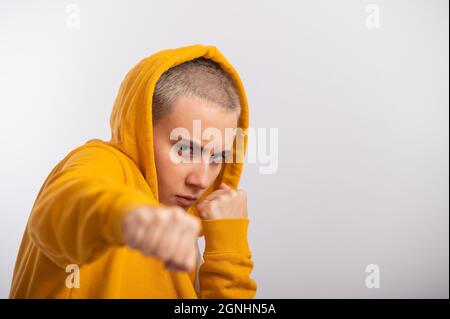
(225, 272)
(78, 214)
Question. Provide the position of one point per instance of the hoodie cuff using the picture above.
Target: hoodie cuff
(123, 205)
(226, 235)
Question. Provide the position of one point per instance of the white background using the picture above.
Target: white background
(362, 116)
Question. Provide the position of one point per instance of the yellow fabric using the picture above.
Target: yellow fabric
(78, 213)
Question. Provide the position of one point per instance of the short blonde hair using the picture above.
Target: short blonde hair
(200, 77)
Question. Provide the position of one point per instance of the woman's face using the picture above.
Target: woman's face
(182, 175)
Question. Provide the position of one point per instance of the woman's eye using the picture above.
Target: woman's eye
(218, 158)
(184, 150)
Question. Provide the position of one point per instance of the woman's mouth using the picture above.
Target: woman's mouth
(186, 200)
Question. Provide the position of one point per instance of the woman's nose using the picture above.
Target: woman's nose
(199, 176)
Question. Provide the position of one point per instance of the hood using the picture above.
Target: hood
(131, 118)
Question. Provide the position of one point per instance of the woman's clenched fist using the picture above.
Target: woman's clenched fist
(224, 203)
(167, 233)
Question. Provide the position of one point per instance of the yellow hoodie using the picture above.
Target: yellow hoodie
(77, 216)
